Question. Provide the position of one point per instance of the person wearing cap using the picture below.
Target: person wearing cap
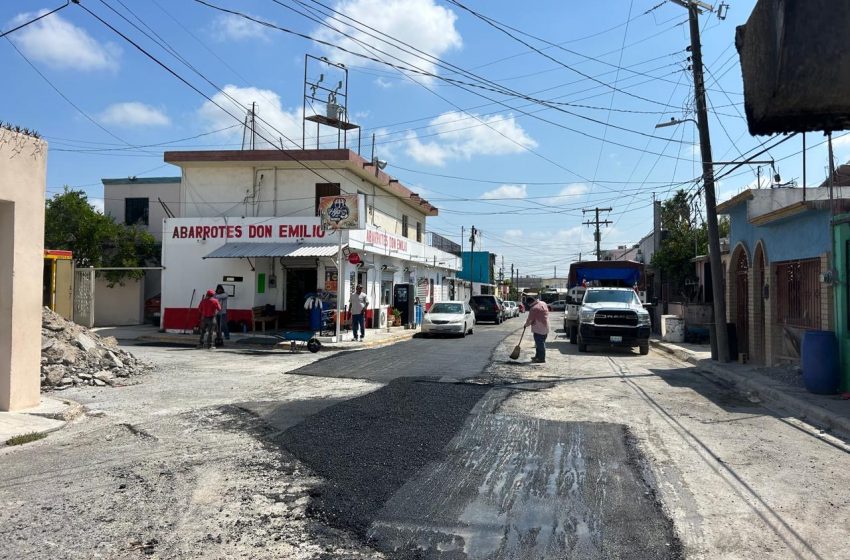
(357, 308)
(209, 308)
(538, 320)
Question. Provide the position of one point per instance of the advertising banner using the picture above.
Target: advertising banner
(342, 212)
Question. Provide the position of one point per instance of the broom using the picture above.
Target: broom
(515, 353)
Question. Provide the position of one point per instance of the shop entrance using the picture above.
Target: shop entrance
(299, 283)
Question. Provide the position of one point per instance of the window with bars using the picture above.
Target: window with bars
(419, 232)
(325, 189)
(798, 293)
(136, 211)
(403, 225)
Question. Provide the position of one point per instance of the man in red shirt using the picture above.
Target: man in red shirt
(209, 308)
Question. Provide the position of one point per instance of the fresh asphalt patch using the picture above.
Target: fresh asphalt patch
(366, 448)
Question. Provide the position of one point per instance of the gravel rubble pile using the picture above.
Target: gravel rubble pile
(72, 355)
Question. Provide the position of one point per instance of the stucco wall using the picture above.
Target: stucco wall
(239, 190)
(114, 194)
(118, 305)
(802, 236)
(23, 170)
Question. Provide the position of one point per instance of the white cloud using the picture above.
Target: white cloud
(570, 191)
(237, 28)
(97, 204)
(420, 23)
(133, 113)
(60, 44)
(273, 121)
(506, 191)
(461, 136)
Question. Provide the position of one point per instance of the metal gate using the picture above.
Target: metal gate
(84, 297)
(742, 317)
(798, 301)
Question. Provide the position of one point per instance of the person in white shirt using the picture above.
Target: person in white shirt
(357, 308)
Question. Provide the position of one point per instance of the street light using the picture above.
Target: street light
(674, 122)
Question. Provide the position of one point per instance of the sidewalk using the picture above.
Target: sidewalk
(51, 415)
(150, 334)
(827, 411)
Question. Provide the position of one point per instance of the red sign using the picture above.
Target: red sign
(354, 258)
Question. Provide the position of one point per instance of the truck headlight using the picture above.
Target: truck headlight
(643, 319)
(586, 315)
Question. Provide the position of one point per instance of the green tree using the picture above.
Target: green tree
(71, 223)
(681, 242)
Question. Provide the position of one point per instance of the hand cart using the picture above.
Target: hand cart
(299, 339)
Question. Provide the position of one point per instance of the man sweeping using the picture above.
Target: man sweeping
(538, 320)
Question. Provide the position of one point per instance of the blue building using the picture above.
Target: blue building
(778, 270)
(479, 268)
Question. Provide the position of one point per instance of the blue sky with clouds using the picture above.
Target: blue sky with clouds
(514, 140)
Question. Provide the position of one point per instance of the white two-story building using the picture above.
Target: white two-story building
(249, 222)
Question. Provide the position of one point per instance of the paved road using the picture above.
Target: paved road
(603, 455)
(426, 467)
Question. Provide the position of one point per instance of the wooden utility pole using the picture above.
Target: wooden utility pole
(597, 222)
(721, 333)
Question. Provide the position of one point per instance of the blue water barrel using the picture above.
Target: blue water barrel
(819, 359)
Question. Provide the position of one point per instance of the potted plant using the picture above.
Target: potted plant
(396, 317)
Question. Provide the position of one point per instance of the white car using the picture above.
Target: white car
(511, 309)
(449, 317)
(560, 305)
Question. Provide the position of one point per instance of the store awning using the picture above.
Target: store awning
(246, 250)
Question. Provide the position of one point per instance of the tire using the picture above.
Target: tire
(582, 347)
(573, 335)
(471, 330)
(644, 349)
(313, 345)
(463, 334)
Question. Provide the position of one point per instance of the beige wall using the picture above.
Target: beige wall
(114, 194)
(118, 305)
(23, 171)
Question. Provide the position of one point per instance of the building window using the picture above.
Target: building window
(403, 226)
(325, 189)
(419, 232)
(135, 211)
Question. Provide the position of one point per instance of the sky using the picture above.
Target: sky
(513, 117)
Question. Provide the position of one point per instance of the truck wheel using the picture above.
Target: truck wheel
(582, 347)
(573, 335)
(644, 349)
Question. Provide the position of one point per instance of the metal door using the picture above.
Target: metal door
(84, 296)
(63, 302)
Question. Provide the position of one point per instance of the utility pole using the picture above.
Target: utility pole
(471, 261)
(721, 333)
(597, 222)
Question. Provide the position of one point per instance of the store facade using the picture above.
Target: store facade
(277, 263)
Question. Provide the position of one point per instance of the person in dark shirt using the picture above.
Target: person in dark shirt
(209, 308)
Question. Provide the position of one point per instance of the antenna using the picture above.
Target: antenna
(333, 100)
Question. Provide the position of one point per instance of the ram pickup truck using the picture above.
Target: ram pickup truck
(613, 317)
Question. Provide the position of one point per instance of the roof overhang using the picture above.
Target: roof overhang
(724, 207)
(291, 250)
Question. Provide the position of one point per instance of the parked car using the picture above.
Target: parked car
(511, 309)
(613, 317)
(559, 305)
(487, 308)
(449, 317)
(152, 312)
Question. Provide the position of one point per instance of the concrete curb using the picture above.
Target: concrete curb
(763, 387)
(71, 411)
